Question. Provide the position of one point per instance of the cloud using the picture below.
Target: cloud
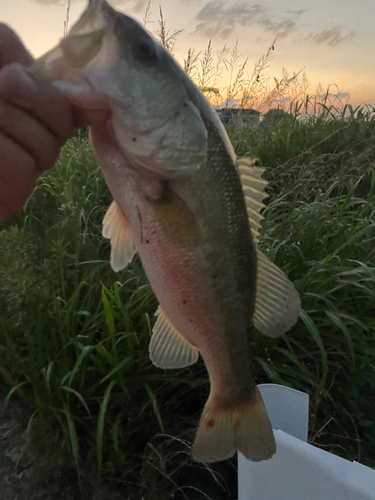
(59, 3)
(331, 37)
(136, 5)
(217, 18)
(279, 28)
(296, 13)
(240, 13)
(220, 18)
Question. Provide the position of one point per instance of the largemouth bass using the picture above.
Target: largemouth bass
(190, 208)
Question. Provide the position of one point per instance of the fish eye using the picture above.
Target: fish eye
(145, 52)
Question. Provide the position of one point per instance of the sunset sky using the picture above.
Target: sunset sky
(333, 40)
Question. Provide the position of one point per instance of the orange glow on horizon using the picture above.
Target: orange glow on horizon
(42, 26)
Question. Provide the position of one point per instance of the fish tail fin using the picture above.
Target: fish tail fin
(222, 431)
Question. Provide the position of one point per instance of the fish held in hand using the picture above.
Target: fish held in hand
(190, 208)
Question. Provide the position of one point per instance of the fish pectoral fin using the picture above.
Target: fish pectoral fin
(116, 228)
(277, 302)
(168, 348)
(253, 188)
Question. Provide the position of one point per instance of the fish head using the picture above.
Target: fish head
(109, 61)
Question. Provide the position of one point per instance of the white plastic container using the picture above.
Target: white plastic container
(299, 471)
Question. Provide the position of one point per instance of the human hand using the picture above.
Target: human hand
(35, 121)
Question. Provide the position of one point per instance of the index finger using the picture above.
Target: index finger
(38, 97)
(11, 48)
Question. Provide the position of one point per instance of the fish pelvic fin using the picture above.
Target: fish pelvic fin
(223, 431)
(253, 187)
(116, 228)
(277, 302)
(168, 348)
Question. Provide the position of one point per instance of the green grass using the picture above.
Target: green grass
(74, 335)
(320, 228)
(327, 248)
(308, 154)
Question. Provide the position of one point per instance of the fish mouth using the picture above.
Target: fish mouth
(81, 93)
(90, 106)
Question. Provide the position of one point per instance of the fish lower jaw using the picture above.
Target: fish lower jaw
(80, 92)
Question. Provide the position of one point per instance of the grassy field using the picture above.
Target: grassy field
(74, 335)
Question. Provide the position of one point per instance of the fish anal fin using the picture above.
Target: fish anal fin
(254, 191)
(116, 228)
(168, 348)
(223, 431)
(277, 302)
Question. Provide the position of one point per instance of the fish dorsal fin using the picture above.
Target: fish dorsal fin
(168, 348)
(277, 302)
(253, 187)
(116, 228)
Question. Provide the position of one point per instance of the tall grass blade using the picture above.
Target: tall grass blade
(100, 426)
